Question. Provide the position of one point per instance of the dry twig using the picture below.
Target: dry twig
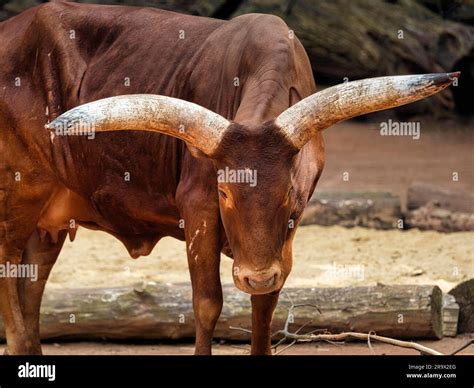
(296, 337)
(466, 345)
(310, 337)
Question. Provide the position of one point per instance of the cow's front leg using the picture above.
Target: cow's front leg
(263, 307)
(203, 260)
(197, 200)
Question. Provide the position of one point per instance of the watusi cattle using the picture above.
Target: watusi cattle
(170, 101)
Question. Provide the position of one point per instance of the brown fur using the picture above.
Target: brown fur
(83, 179)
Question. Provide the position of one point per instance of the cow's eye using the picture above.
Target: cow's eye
(222, 194)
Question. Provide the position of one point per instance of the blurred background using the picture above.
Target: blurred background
(356, 39)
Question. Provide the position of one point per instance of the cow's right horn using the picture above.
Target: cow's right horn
(197, 126)
(341, 102)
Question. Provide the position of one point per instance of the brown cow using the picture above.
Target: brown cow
(221, 89)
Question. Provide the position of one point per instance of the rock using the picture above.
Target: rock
(464, 294)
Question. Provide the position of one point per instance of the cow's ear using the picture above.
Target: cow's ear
(311, 115)
(295, 96)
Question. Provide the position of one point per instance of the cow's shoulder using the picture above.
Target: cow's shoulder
(266, 36)
(47, 12)
(261, 27)
(261, 20)
(51, 7)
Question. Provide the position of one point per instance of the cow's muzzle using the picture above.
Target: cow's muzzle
(259, 282)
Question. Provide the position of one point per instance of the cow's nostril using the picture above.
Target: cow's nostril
(252, 283)
(247, 282)
(259, 284)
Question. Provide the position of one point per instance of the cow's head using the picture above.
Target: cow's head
(261, 184)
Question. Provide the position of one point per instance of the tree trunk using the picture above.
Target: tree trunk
(348, 39)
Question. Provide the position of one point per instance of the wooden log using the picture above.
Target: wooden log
(368, 209)
(453, 10)
(421, 194)
(431, 217)
(450, 316)
(347, 39)
(164, 311)
(464, 294)
(432, 208)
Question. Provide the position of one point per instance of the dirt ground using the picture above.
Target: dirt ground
(323, 256)
(391, 163)
(445, 346)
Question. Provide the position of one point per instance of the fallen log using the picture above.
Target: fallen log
(377, 210)
(453, 10)
(421, 194)
(450, 316)
(432, 217)
(350, 40)
(164, 311)
(432, 208)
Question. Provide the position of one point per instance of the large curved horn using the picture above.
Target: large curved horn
(197, 126)
(323, 109)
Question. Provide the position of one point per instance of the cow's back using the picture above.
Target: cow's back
(65, 54)
(68, 54)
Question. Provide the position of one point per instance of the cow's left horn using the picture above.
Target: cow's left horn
(197, 126)
(330, 106)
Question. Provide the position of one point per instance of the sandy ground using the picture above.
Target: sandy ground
(445, 346)
(323, 257)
